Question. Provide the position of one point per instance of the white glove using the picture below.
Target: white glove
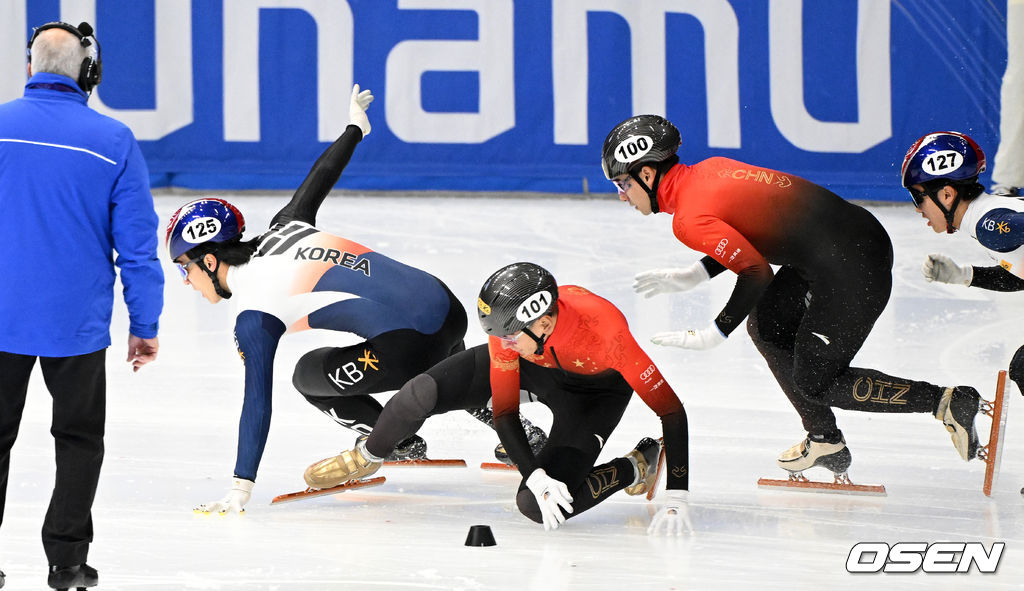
(550, 494)
(357, 109)
(658, 281)
(941, 268)
(692, 339)
(674, 516)
(235, 500)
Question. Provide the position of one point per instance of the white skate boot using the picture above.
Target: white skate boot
(957, 409)
(810, 453)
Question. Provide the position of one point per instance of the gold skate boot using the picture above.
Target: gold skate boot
(645, 457)
(348, 465)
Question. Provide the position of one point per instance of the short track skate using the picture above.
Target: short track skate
(838, 463)
(841, 485)
(498, 466)
(424, 462)
(310, 493)
(659, 471)
(992, 452)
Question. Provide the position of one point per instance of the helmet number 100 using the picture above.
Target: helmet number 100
(632, 148)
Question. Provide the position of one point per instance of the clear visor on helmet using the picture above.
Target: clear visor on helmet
(623, 184)
(508, 341)
(183, 267)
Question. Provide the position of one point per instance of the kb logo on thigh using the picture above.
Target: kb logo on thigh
(910, 557)
(346, 375)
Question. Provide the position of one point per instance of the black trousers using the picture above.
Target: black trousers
(585, 410)
(339, 380)
(809, 332)
(78, 388)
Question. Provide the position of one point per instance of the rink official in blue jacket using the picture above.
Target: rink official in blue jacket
(74, 189)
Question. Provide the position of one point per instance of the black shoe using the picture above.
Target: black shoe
(2, 579)
(65, 577)
(534, 436)
(411, 448)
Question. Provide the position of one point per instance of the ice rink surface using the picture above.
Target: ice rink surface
(171, 434)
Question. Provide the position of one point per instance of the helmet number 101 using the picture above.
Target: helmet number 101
(534, 306)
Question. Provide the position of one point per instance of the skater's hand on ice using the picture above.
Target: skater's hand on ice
(674, 516)
(358, 104)
(941, 268)
(550, 494)
(707, 338)
(235, 500)
(658, 281)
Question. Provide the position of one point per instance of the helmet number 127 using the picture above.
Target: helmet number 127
(942, 162)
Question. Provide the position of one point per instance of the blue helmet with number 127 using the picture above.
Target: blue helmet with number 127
(942, 155)
(209, 221)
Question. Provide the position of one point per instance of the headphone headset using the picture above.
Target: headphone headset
(91, 72)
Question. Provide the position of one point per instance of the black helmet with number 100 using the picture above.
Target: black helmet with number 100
(639, 140)
(514, 297)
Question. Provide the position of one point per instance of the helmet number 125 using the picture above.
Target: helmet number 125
(201, 230)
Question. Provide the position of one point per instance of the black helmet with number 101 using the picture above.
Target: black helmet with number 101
(514, 297)
(639, 140)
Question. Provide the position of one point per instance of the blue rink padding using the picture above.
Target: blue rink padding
(496, 95)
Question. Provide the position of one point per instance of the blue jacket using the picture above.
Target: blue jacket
(73, 188)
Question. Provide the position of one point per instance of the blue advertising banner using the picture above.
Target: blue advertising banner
(504, 95)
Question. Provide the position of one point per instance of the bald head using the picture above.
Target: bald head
(59, 52)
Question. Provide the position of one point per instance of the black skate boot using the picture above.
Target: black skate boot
(534, 435)
(411, 448)
(78, 576)
(957, 409)
(816, 450)
(644, 458)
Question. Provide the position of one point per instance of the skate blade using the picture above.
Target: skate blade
(993, 452)
(822, 487)
(426, 463)
(658, 471)
(310, 493)
(499, 467)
